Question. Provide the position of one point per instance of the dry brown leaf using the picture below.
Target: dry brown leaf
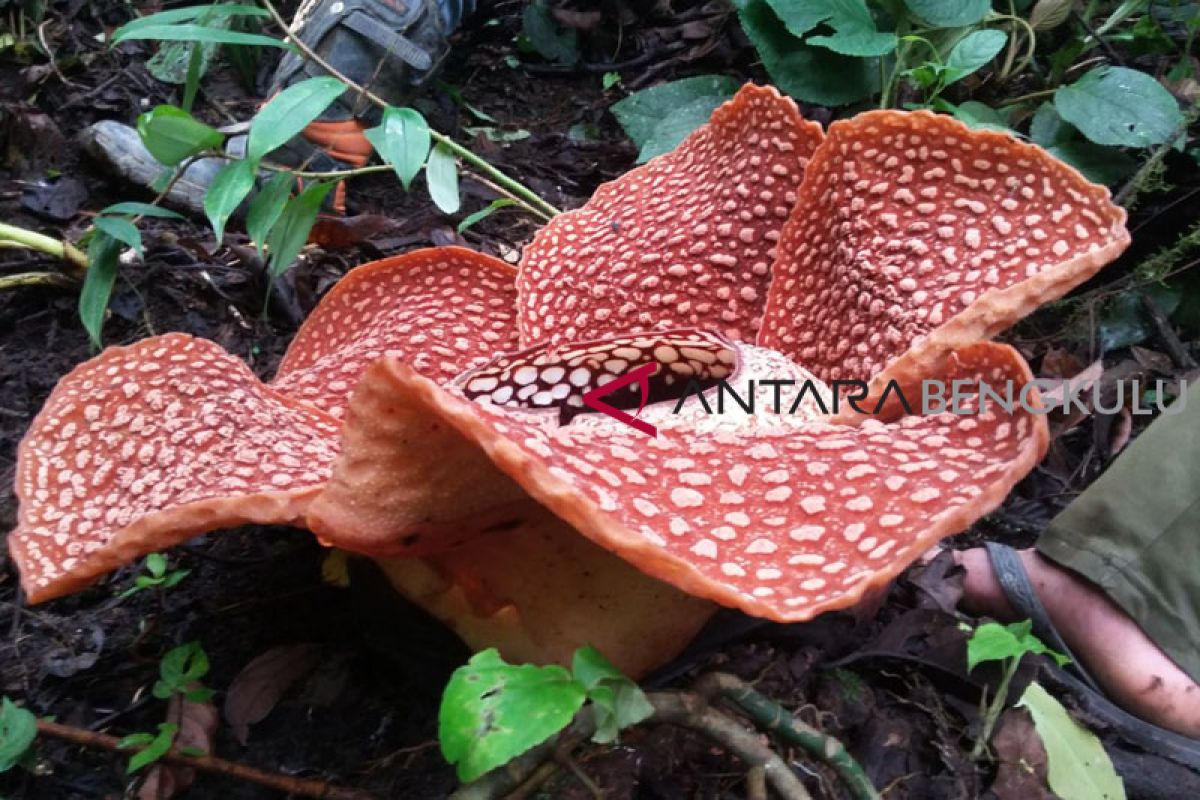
(257, 688)
(1021, 759)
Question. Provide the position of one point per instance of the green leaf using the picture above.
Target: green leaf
(135, 740)
(642, 112)
(18, 729)
(492, 711)
(180, 667)
(142, 209)
(1123, 321)
(610, 79)
(186, 15)
(122, 230)
(552, 42)
(103, 251)
(227, 191)
(290, 112)
(807, 72)
(618, 701)
(1119, 106)
(291, 232)
(172, 134)
(1047, 128)
(854, 31)
(156, 749)
(1097, 163)
(677, 126)
(156, 564)
(950, 13)
(972, 53)
(995, 642)
(402, 140)
(199, 33)
(1049, 14)
(980, 115)
(1078, 766)
(441, 177)
(484, 213)
(266, 207)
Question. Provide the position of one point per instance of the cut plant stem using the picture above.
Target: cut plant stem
(525, 196)
(44, 244)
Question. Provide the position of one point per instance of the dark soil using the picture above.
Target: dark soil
(892, 686)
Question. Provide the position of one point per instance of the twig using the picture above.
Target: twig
(1129, 191)
(282, 783)
(41, 32)
(512, 188)
(1170, 339)
(45, 244)
(35, 279)
(776, 719)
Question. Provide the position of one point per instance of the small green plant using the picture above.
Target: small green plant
(1007, 644)
(151, 746)
(180, 671)
(493, 711)
(18, 729)
(155, 576)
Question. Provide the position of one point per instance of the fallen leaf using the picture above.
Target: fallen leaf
(1078, 766)
(1060, 363)
(258, 687)
(1020, 759)
(1152, 360)
(338, 233)
(197, 725)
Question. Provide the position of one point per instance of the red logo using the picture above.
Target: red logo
(642, 376)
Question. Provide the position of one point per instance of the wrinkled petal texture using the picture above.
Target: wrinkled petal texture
(782, 521)
(442, 310)
(146, 445)
(913, 231)
(685, 240)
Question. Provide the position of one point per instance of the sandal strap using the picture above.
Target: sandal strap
(1018, 588)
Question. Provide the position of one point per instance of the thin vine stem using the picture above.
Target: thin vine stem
(44, 244)
(514, 189)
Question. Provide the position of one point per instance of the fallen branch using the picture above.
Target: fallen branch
(283, 783)
(36, 279)
(778, 720)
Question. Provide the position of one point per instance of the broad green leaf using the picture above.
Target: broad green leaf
(807, 72)
(1049, 14)
(1097, 163)
(492, 712)
(156, 564)
(950, 13)
(1123, 321)
(172, 134)
(441, 177)
(854, 31)
(290, 112)
(18, 729)
(972, 53)
(995, 642)
(266, 207)
(618, 701)
(1047, 128)
(180, 667)
(484, 213)
(1119, 106)
(551, 41)
(156, 749)
(103, 251)
(291, 231)
(402, 140)
(229, 188)
(141, 209)
(677, 125)
(187, 14)
(122, 230)
(199, 33)
(980, 115)
(642, 112)
(1078, 766)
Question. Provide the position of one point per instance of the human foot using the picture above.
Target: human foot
(1130, 667)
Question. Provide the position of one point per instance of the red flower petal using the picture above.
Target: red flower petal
(147, 445)
(442, 310)
(914, 235)
(683, 241)
(781, 518)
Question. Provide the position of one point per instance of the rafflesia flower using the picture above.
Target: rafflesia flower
(430, 413)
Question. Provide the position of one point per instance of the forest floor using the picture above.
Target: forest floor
(363, 711)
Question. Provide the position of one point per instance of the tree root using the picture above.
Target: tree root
(283, 783)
